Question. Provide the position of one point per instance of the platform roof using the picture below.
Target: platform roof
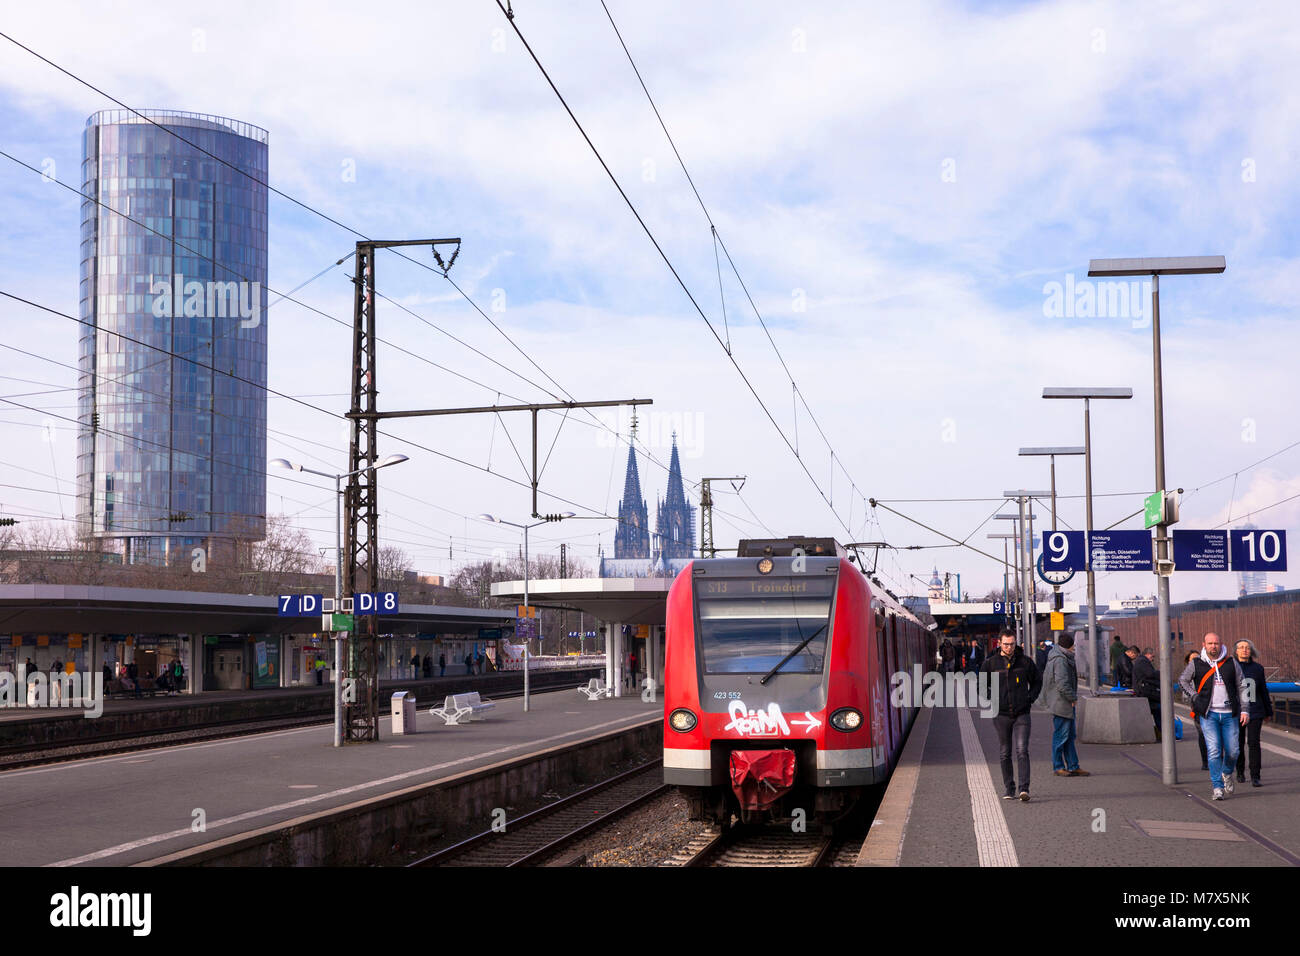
(57, 608)
(624, 600)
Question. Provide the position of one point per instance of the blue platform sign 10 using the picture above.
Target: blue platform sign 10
(1201, 550)
(1257, 550)
(300, 605)
(1121, 551)
(1064, 551)
(384, 602)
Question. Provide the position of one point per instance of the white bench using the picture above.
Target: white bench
(459, 708)
(594, 689)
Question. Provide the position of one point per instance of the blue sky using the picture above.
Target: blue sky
(897, 184)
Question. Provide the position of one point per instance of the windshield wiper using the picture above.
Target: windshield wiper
(785, 660)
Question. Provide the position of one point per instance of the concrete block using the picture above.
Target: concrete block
(1115, 720)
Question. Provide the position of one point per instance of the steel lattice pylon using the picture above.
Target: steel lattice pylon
(360, 546)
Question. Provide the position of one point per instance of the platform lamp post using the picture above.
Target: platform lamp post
(1052, 452)
(1006, 564)
(545, 519)
(1022, 621)
(1088, 394)
(1155, 268)
(339, 636)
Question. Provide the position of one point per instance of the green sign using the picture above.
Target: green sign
(1155, 510)
(344, 622)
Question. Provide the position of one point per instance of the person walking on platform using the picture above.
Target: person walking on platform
(178, 676)
(1117, 661)
(1040, 657)
(1214, 682)
(1060, 694)
(1200, 737)
(415, 664)
(974, 657)
(1258, 705)
(1126, 667)
(1146, 682)
(442, 663)
(945, 655)
(1018, 687)
(469, 663)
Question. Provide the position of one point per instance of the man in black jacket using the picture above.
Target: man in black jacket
(1146, 682)
(1018, 685)
(1213, 681)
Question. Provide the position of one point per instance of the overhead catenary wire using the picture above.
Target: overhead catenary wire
(668, 262)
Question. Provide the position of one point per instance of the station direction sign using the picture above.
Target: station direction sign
(383, 602)
(300, 605)
(1257, 550)
(1121, 551)
(1201, 550)
(1064, 551)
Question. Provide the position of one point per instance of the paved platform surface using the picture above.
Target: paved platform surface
(948, 809)
(430, 687)
(112, 811)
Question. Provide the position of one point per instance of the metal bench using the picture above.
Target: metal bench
(461, 708)
(594, 689)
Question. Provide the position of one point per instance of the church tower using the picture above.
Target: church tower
(675, 521)
(632, 537)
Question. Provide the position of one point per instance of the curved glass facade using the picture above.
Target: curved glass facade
(171, 451)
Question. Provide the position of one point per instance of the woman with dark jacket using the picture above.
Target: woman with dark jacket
(1261, 709)
(1200, 737)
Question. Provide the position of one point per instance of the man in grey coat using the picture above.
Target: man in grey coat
(1060, 692)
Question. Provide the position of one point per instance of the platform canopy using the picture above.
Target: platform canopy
(625, 600)
(57, 608)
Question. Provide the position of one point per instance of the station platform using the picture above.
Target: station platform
(115, 811)
(431, 687)
(944, 805)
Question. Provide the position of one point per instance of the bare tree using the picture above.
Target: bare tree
(394, 563)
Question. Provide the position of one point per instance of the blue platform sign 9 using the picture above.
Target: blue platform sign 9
(1064, 551)
(1257, 550)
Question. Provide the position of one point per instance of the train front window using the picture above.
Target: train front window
(748, 626)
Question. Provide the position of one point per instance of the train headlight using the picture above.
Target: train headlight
(681, 720)
(846, 719)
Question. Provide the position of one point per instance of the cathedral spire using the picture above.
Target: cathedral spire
(632, 537)
(675, 521)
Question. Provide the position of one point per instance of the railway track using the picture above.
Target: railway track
(539, 836)
(769, 845)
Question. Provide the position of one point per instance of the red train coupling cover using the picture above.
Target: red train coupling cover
(759, 777)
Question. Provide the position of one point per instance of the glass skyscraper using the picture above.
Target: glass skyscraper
(171, 449)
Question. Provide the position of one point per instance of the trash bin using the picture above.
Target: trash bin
(403, 713)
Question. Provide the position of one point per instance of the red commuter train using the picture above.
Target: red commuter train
(777, 681)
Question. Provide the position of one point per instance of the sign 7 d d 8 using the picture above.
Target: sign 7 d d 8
(385, 602)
